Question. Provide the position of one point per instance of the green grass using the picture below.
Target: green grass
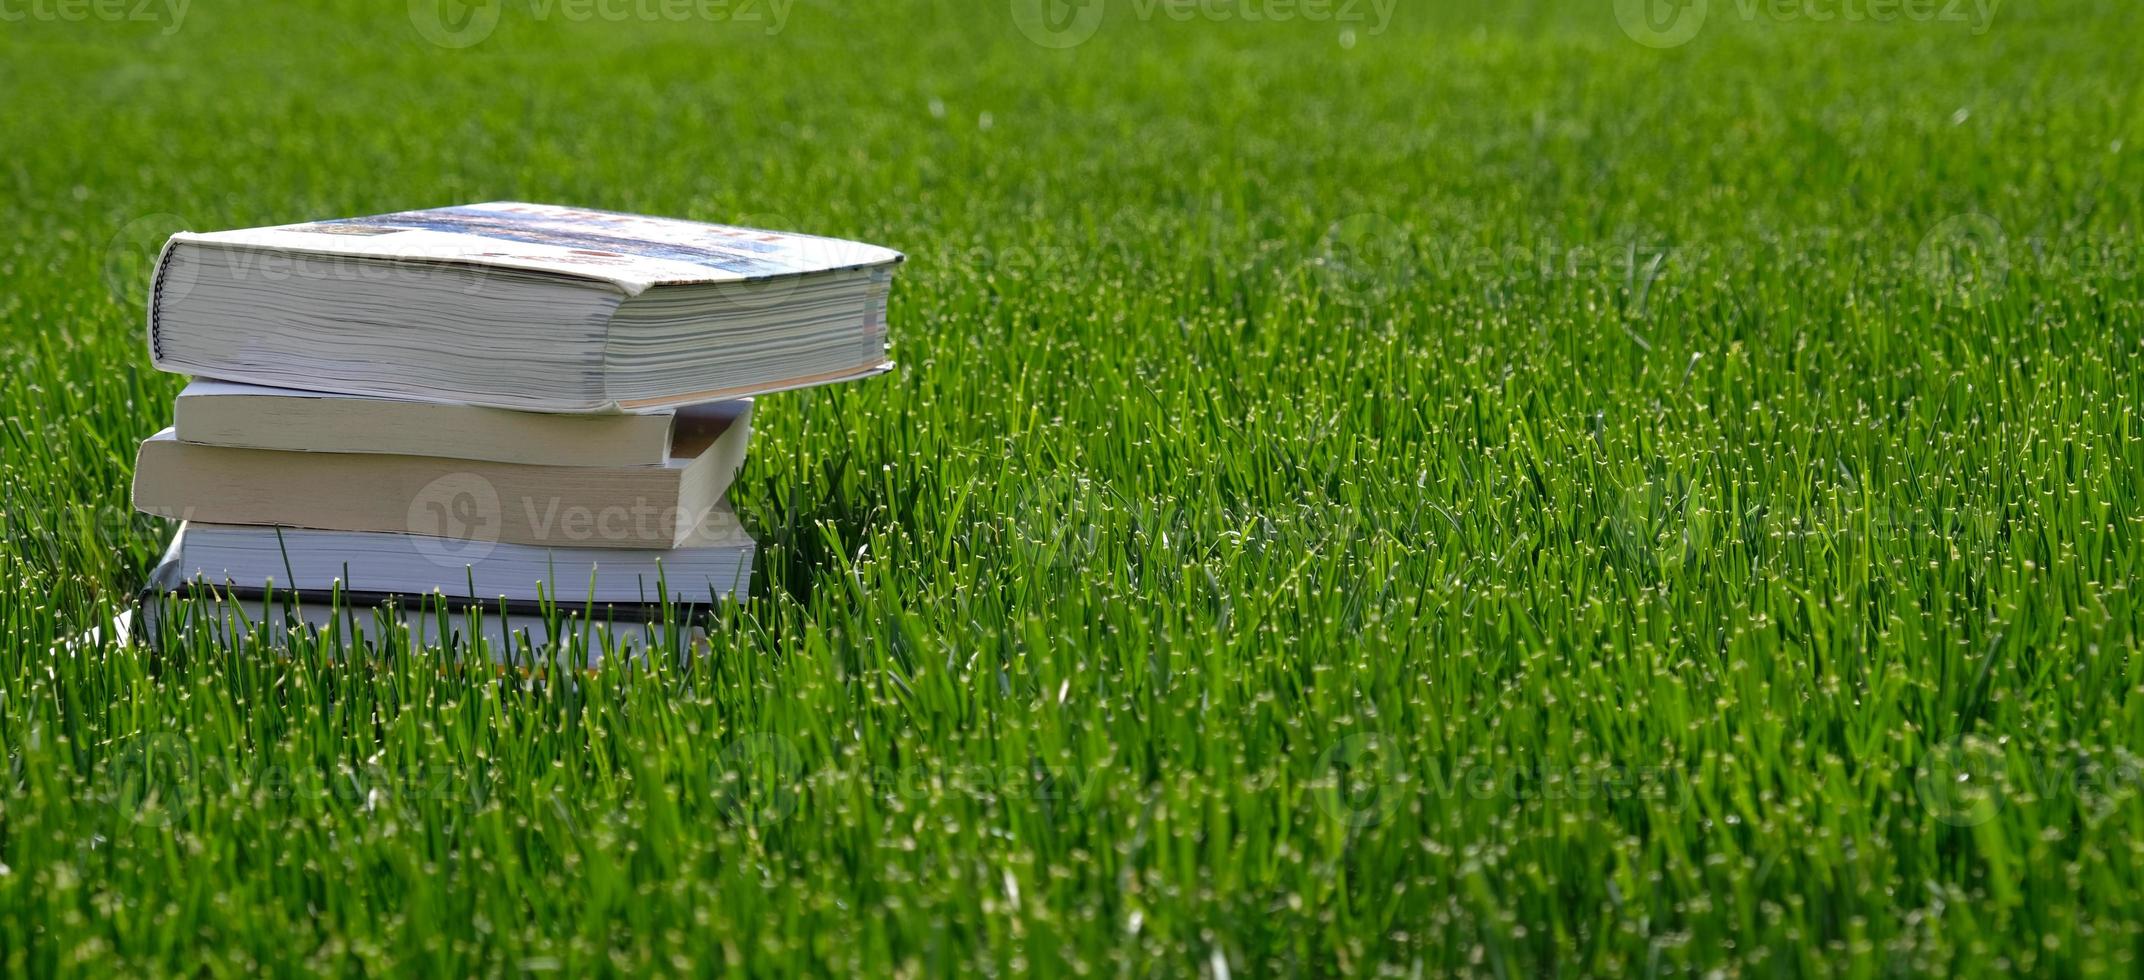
(1483, 496)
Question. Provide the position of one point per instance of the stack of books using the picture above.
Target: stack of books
(520, 411)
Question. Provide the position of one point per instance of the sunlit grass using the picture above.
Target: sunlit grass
(1486, 496)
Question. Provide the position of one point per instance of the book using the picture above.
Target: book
(579, 637)
(457, 499)
(715, 562)
(243, 416)
(513, 632)
(524, 306)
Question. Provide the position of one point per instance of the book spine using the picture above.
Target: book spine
(156, 299)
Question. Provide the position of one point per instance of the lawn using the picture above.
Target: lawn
(1485, 488)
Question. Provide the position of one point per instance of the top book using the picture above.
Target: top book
(524, 306)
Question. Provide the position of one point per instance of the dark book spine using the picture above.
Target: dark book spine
(156, 299)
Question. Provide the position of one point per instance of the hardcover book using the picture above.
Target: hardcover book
(526, 306)
(243, 416)
(490, 502)
(713, 563)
